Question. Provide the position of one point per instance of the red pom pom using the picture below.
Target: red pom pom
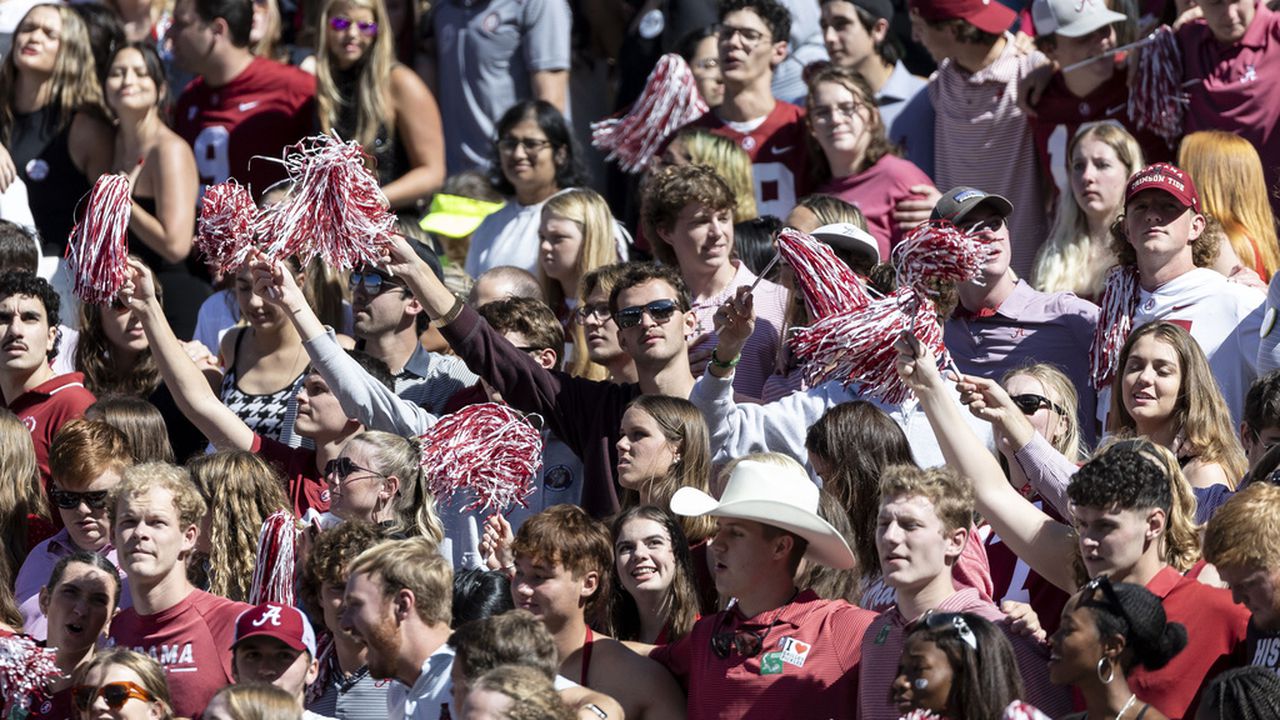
(669, 102)
(488, 450)
(857, 346)
(1115, 320)
(25, 669)
(98, 250)
(830, 286)
(335, 209)
(273, 573)
(939, 251)
(1156, 101)
(226, 230)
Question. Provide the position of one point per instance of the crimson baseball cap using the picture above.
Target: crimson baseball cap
(282, 622)
(1166, 177)
(986, 15)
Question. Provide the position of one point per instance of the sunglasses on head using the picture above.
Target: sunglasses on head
(1107, 600)
(116, 694)
(340, 23)
(68, 500)
(1030, 403)
(343, 467)
(937, 621)
(660, 310)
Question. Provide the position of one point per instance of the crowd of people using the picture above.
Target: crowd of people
(213, 498)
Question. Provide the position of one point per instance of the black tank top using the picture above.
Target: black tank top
(141, 249)
(55, 186)
(387, 151)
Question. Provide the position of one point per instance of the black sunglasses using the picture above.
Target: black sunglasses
(373, 283)
(747, 639)
(67, 500)
(660, 310)
(955, 622)
(116, 694)
(343, 467)
(989, 225)
(1029, 403)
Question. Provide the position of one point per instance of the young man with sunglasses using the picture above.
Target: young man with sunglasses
(29, 339)
(276, 645)
(922, 528)
(87, 459)
(1243, 543)
(156, 513)
(652, 311)
(387, 322)
(778, 650)
(1001, 321)
(563, 561)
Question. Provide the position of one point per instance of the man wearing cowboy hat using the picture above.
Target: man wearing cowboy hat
(923, 526)
(779, 650)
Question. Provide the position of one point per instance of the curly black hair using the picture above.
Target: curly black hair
(1246, 693)
(21, 282)
(1140, 619)
(1121, 477)
(773, 13)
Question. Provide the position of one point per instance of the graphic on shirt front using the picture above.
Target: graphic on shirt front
(793, 651)
(171, 657)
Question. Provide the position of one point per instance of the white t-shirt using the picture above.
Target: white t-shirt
(507, 237)
(428, 699)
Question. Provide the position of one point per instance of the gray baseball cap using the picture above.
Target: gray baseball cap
(1072, 18)
(959, 202)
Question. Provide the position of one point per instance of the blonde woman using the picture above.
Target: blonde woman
(575, 237)
(24, 517)
(363, 94)
(53, 137)
(1228, 173)
(377, 477)
(1076, 257)
(123, 684)
(514, 692)
(731, 162)
(252, 701)
(241, 490)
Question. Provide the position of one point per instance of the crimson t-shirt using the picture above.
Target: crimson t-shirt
(1015, 580)
(779, 155)
(262, 110)
(44, 408)
(191, 641)
(876, 192)
(303, 484)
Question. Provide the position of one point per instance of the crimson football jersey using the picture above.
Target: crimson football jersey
(779, 156)
(264, 109)
(1015, 580)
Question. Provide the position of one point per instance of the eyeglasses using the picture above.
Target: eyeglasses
(371, 282)
(116, 694)
(989, 225)
(531, 146)
(1030, 403)
(67, 500)
(937, 621)
(340, 23)
(747, 639)
(826, 115)
(342, 467)
(750, 38)
(660, 310)
(599, 312)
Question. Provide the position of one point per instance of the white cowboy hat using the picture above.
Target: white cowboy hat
(772, 494)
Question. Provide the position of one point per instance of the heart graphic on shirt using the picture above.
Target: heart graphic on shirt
(801, 648)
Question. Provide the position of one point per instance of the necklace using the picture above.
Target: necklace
(1127, 704)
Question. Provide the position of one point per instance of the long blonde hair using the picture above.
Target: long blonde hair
(585, 208)
(415, 506)
(730, 161)
(242, 489)
(602, 279)
(372, 98)
(20, 492)
(1228, 174)
(1200, 416)
(1063, 261)
(1055, 382)
(73, 84)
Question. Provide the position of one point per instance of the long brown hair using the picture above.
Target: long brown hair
(1200, 415)
(682, 425)
(74, 83)
(878, 146)
(681, 602)
(20, 491)
(104, 374)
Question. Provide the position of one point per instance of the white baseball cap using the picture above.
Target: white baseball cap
(1072, 18)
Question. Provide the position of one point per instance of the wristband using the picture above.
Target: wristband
(449, 316)
(599, 711)
(723, 365)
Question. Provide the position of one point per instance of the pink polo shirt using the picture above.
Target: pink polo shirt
(1235, 87)
(875, 191)
(808, 667)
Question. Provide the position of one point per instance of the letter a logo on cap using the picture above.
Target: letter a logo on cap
(272, 615)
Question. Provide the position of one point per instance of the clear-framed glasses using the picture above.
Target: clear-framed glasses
(751, 38)
(827, 114)
(531, 146)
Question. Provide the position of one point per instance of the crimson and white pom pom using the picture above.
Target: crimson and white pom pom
(1156, 101)
(98, 250)
(857, 346)
(335, 209)
(920, 714)
(489, 450)
(25, 669)
(273, 573)
(938, 250)
(1018, 710)
(829, 285)
(669, 102)
(226, 230)
(1115, 320)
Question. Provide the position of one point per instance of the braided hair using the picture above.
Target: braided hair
(1247, 693)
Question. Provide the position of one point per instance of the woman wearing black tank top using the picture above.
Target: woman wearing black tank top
(364, 95)
(163, 170)
(51, 127)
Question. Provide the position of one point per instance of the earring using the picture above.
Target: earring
(1111, 670)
